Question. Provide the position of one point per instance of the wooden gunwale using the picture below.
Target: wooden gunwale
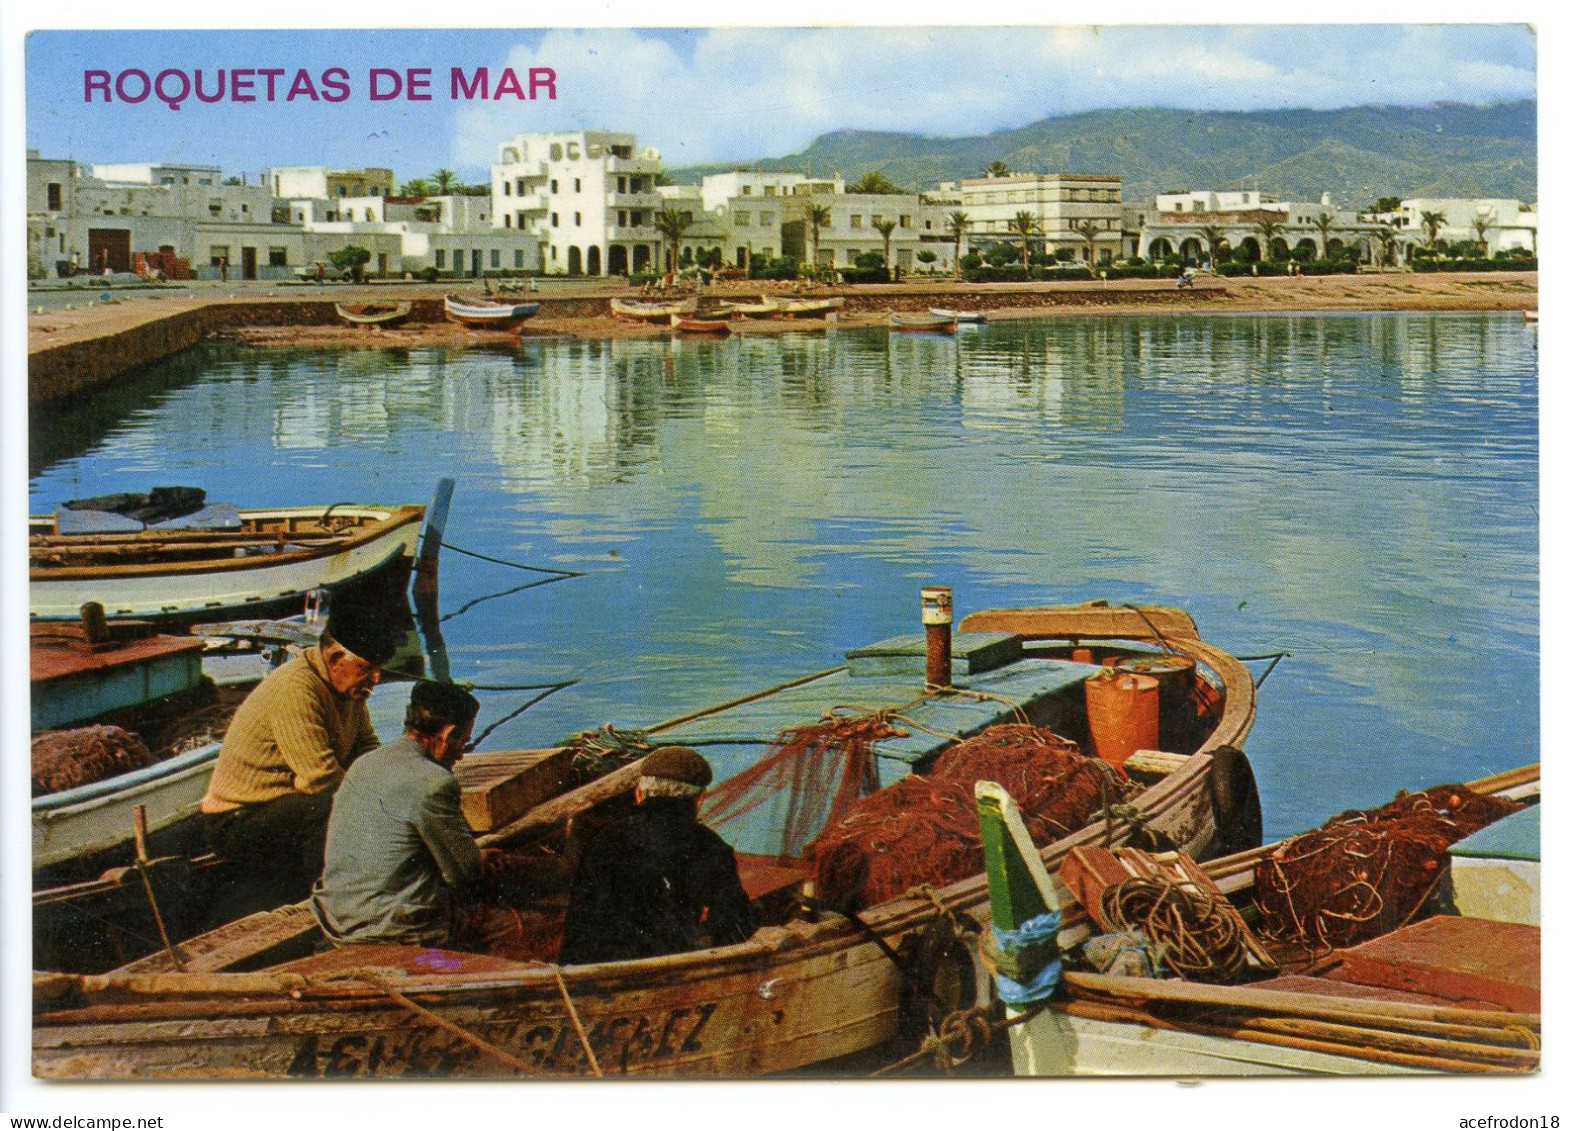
(395, 519)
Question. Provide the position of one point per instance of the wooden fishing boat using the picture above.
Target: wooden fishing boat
(76, 680)
(807, 307)
(767, 306)
(686, 324)
(802, 990)
(267, 560)
(488, 314)
(1449, 993)
(652, 311)
(373, 314)
(922, 323)
(961, 316)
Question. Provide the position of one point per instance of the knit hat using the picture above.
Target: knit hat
(674, 771)
(364, 633)
(447, 701)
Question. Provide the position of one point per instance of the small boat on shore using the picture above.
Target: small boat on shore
(963, 317)
(688, 324)
(488, 314)
(1335, 978)
(373, 314)
(254, 562)
(807, 987)
(787, 307)
(767, 306)
(652, 311)
(922, 323)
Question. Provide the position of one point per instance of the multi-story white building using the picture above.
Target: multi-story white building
(318, 182)
(720, 188)
(588, 196)
(1185, 224)
(1507, 224)
(1060, 206)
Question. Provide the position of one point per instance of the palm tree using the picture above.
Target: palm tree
(1025, 224)
(417, 187)
(1214, 236)
(1480, 225)
(1387, 245)
(671, 224)
(445, 179)
(1086, 230)
(958, 222)
(874, 184)
(1269, 231)
(998, 169)
(886, 230)
(1432, 222)
(818, 217)
(1324, 222)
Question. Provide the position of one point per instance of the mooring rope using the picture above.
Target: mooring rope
(513, 565)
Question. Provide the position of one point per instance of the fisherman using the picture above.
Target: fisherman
(286, 751)
(657, 882)
(401, 864)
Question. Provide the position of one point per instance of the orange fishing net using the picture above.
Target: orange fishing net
(65, 759)
(816, 771)
(923, 829)
(1366, 872)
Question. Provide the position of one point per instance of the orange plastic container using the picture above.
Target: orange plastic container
(1176, 676)
(1124, 710)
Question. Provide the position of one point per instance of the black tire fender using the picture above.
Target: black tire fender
(1234, 801)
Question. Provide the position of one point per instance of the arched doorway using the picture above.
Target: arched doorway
(1305, 249)
(1249, 249)
(616, 261)
(640, 258)
(1334, 248)
(1160, 247)
(1279, 249)
(594, 260)
(574, 261)
(1192, 249)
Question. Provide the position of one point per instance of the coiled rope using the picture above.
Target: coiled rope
(1191, 932)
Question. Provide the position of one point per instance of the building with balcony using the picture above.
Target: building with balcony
(1062, 207)
(588, 197)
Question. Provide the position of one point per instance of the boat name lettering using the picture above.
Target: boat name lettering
(620, 1044)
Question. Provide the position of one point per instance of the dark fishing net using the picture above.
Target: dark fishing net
(1366, 872)
(809, 778)
(924, 830)
(65, 759)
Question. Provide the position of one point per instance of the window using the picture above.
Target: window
(877, 218)
(54, 197)
(520, 222)
(621, 218)
(856, 219)
(506, 189)
(507, 221)
(577, 219)
(904, 221)
(621, 184)
(553, 187)
(746, 190)
(767, 219)
(577, 184)
(277, 257)
(517, 258)
(370, 215)
(496, 257)
(441, 258)
(744, 219)
(520, 186)
(554, 222)
(768, 190)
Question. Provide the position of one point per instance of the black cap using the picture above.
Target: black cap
(447, 701)
(364, 633)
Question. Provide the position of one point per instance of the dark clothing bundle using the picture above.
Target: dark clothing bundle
(645, 884)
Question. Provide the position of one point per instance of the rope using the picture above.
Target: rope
(508, 593)
(1191, 931)
(577, 1025)
(444, 1024)
(514, 565)
(963, 1029)
(550, 689)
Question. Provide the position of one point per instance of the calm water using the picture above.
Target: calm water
(1359, 491)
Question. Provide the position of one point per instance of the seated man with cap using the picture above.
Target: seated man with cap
(657, 881)
(286, 751)
(401, 864)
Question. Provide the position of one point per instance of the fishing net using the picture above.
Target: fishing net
(65, 759)
(924, 830)
(809, 777)
(1366, 872)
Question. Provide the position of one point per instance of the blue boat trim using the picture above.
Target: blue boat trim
(167, 768)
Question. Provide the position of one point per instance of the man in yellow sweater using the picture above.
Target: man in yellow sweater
(285, 753)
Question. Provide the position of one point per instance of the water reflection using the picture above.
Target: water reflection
(1358, 490)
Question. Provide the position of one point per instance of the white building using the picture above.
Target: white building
(1507, 224)
(1060, 205)
(1184, 224)
(318, 182)
(720, 188)
(589, 197)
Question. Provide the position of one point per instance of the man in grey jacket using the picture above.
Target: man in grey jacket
(400, 858)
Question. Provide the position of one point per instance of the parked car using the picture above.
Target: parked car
(320, 270)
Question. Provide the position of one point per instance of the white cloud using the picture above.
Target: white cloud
(740, 93)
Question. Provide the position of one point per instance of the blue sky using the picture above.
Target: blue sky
(733, 94)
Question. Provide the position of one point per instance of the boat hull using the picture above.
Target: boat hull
(488, 316)
(370, 315)
(225, 588)
(791, 996)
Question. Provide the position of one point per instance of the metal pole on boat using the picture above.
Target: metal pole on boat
(937, 614)
(431, 540)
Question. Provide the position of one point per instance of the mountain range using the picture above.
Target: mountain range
(1358, 154)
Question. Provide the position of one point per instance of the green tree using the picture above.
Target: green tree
(927, 257)
(1387, 204)
(1086, 230)
(1214, 236)
(1387, 245)
(353, 259)
(417, 187)
(1024, 224)
(1324, 222)
(998, 169)
(886, 230)
(1269, 231)
(444, 179)
(818, 217)
(670, 224)
(1432, 222)
(1480, 224)
(874, 184)
(958, 223)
